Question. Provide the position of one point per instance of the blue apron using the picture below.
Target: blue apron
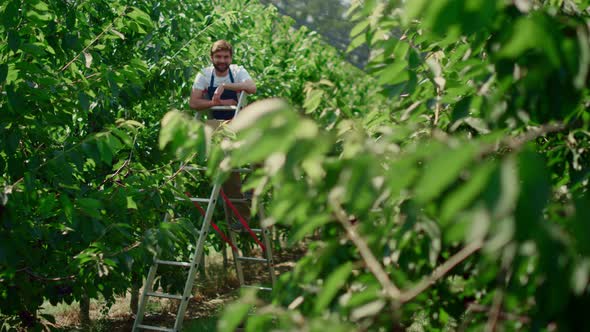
(227, 94)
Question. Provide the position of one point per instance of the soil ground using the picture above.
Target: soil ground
(212, 291)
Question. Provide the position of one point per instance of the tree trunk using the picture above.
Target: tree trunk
(84, 310)
(136, 280)
(224, 253)
(202, 273)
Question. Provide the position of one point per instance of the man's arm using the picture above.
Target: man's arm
(199, 103)
(248, 85)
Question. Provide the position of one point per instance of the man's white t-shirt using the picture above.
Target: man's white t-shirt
(204, 77)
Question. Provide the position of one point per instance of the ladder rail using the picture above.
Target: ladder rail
(143, 300)
(199, 250)
(239, 257)
(241, 102)
(149, 283)
(196, 259)
(235, 255)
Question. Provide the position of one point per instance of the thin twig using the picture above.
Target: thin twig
(42, 278)
(534, 133)
(176, 173)
(437, 106)
(125, 164)
(116, 172)
(474, 307)
(441, 271)
(124, 250)
(372, 263)
(494, 313)
(503, 280)
(108, 28)
(516, 143)
(87, 77)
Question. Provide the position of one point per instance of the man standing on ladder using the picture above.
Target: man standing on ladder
(219, 85)
(215, 88)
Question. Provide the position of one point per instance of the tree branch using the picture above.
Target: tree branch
(176, 173)
(474, 307)
(494, 313)
(28, 271)
(516, 143)
(125, 164)
(94, 40)
(441, 271)
(372, 263)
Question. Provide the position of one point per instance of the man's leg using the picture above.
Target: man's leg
(232, 187)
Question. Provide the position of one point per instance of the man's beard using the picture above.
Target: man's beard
(221, 67)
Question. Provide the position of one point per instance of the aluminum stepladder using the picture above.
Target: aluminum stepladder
(197, 255)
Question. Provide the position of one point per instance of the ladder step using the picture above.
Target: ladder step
(164, 295)
(174, 263)
(258, 287)
(155, 328)
(193, 199)
(239, 200)
(255, 230)
(253, 259)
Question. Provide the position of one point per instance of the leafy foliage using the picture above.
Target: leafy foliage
(448, 190)
(453, 208)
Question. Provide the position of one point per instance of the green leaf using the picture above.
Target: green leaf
(509, 190)
(356, 42)
(581, 226)
(84, 101)
(584, 58)
(413, 9)
(466, 193)
(172, 129)
(313, 100)
(332, 285)
(308, 227)
(90, 206)
(131, 203)
(395, 73)
(47, 206)
(40, 5)
(13, 40)
(67, 207)
(442, 171)
(402, 174)
(39, 17)
(236, 312)
(123, 136)
(581, 276)
(3, 72)
(525, 37)
(140, 16)
(534, 193)
(358, 28)
(11, 15)
(105, 151)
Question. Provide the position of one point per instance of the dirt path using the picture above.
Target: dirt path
(218, 287)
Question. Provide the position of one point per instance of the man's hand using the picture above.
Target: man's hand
(217, 95)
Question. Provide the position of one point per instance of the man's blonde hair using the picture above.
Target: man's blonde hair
(221, 45)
